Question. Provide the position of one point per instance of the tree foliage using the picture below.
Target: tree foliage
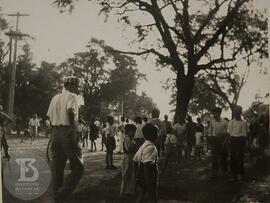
(190, 36)
(105, 76)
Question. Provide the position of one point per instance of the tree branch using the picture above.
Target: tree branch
(208, 18)
(222, 28)
(152, 51)
(213, 62)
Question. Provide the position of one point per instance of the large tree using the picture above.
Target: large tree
(190, 36)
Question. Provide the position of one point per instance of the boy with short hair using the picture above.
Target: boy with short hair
(146, 157)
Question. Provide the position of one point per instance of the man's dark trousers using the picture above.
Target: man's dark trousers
(237, 148)
(65, 147)
(219, 155)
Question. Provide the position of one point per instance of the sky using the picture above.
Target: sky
(58, 36)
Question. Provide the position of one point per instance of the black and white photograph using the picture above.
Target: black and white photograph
(134, 101)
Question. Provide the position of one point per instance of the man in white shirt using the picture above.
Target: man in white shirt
(238, 132)
(63, 114)
(217, 136)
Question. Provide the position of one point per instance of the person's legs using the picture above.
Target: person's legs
(234, 152)
(179, 152)
(163, 145)
(214, 151)
(58, 162)
(95, 145)
(152, 191)
(188, 151)
(107, 159)
(73, 152)
(83, 142)
(111, 159)
(166, 160)
(58, 165)
(223, 160)
(140, 194)
(5, 146)
(91, 146)
(158, 146)
(241, 156)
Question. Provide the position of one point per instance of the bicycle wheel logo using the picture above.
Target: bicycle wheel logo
(27, 177)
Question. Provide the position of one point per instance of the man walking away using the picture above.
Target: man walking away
(63, 114)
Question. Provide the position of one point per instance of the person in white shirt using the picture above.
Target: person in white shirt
(63, 114)
(147, 169)
(238, 132)
(218, 137)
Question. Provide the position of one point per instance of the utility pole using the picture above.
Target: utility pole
(10, 53)
(12, 76)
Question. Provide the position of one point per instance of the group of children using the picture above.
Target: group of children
(139, 166)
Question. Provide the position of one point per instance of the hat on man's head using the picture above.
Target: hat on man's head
(71, 80)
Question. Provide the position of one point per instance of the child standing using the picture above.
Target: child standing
(85, 133)
(171, 151)
(147, 170)
(93, 135)
(103, 136)
(110, 143)
(128, 172)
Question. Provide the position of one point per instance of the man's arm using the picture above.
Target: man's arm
(71, 106)
(71, 117)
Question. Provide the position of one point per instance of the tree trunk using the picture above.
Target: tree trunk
(184, 85)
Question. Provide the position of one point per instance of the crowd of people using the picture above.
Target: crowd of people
(148, 144)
